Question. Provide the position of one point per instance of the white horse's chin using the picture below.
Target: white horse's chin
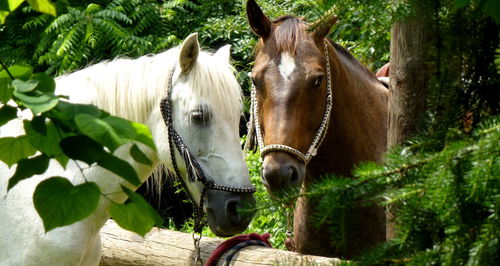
(229, 213)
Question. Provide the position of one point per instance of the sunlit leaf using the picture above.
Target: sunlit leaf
(24, 86)
(137, 215)
(38, 104)
(99, 131)
(60, 203)
(43, 6)
(13, 149)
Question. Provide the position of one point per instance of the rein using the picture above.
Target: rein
(254, 125)
(194, 170)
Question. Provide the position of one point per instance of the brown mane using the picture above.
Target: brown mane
(285, 37)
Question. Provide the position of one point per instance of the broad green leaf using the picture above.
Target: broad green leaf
(14, 149)
(461, 3)
(139, 156)
(28, 167)
(99, 131)
(10, 5)
(59, 203)
(47, 143)
(492, 9)
(131, 130)
(82, 148)
(43, 6)
(24, 86)
(137, 215)
(65, 112)
(19, 72)
(6, 91)
(119, 167)
(38, 104)
(86, 149)
(3, 16)
(45, 82)
(38, 124)
(7, 113)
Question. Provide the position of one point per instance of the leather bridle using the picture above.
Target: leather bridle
(194, 170)
(254, 125)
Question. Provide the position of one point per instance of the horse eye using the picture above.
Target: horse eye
(200, 116)
(318, 81)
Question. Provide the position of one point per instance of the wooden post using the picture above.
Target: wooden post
(412, 43)
(165, 247)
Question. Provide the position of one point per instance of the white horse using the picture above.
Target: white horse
(206, 106)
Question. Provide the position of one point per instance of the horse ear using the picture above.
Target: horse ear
(322, 27)
(224, 52)
(190, 49)
(259, 22)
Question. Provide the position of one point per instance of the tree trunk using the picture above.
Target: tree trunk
(412, 40)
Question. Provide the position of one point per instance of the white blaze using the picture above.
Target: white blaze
(287, 65)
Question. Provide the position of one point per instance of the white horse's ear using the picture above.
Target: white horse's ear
(190, 49)
(224, 52)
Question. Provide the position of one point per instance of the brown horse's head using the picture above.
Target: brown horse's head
(290, 77)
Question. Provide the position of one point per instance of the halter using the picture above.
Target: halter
(254, 124)
(193, 168)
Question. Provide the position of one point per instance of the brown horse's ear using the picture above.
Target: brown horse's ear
(190, 48)
(322, 27)
(259, 22)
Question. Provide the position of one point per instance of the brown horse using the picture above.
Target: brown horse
(316, 111)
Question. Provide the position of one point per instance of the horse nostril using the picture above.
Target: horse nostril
(232, 209)
(294, 177)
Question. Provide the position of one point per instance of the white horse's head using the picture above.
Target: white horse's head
(206, 108)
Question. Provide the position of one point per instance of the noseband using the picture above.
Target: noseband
(194, 170)
(254, 125)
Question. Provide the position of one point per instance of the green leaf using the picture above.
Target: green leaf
(137, 215)
(59, 203)
(47, 142)
(82, 148)
(131, 130)
(38, 124)
(99, 131)
(19, 72)
(43, 6)
(24, 86)
(461, 3)
(86, 149)
(38, 104)
(65, 112)
(6, 91)
(45, 82)
(492, 9)
(14, 149)
(7, 113)
(10, 5)
(119, 167)
(139, 156)
(28, 167)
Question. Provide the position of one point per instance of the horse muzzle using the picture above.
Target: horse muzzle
(229, 213)
(282, 171)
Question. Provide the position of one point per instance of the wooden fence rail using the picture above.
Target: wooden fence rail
(165, 247)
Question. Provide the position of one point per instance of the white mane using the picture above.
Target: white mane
(130, 88)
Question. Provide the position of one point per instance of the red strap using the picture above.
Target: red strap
(229, 243)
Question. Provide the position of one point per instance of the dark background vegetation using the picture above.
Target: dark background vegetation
(444, 182)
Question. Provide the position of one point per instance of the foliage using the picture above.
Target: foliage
(447, 201)
(60, 130)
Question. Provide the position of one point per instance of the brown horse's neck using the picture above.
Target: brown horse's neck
(357, 130)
